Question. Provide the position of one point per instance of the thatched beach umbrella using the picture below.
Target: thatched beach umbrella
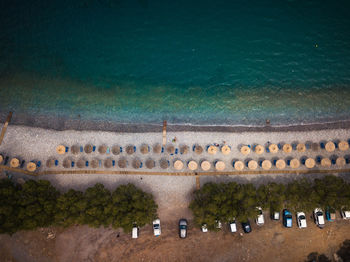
(81, 163)
(150, 163)
(252, 164)
(144, 149)
(116, 150)
(31, 167)
(136, 163)
(102, 149)
(294, 163)
(198, 149)
(212, 150)
(61, 149)
(220, 165)
(130, 149)
(340, 161)
(170, 149)
(108, 163)
(14, 162)
(94, 163)
(310, 163)
(343, 145)
(88, 149)
(301, 147)
(226, 149)
(67, 163)
(326, 162)
(273, 148)
(192, 165)
(1, 159)
(122, 163)
(280, 164)
(287, 148)
(245, 150)
(164, 163)
(157, 148)
(184, 149)
(315, 146)
(75, 149)
(259, 149)
(178, 165)
(330, 146)
(50, 163)
(205, 165)
(239, 165)
(266, 164)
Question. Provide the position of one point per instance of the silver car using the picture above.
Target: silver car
(183, 228)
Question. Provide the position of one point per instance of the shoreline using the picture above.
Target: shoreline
(64, 124)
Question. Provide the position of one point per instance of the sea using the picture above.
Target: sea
(190, 62)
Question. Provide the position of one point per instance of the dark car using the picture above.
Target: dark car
(246, 227)
(183, 228)
(287, 218)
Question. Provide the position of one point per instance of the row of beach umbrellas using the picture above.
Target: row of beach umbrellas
(17, 163)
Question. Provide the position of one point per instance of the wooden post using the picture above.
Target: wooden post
(3, 131)
(164, 132)
(198, 184)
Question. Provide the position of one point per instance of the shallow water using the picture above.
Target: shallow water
(204, 62)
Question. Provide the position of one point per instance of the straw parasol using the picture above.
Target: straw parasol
(273, 148)
(170, 149)
(326, 162)
(136, 163)
(192, 165)
(301, 147)
(315, 146)
(88, 148)
(259, 149)
(81, 163)
(31, 167)
(205, 165)
(178, 165)
(157, 148)
(75, 149)
(225, 149)
(310, 163)
(245, 150)
(94, 163)
(266, 164)
(14, 162)
(150, 163)
(280, 164)
(116, 150)
(164, 163)
(67, 163)
(50, 162)
(1, 159)
(252, 164)
(130, 149)
(144, 149)
(287, 148)
(108, 163)
(330, 146)
(340, 161)
(184, 149)
(343, 145)
(294, 163)
(61, 149)
(239, 165)
(220, 165)
(122, 163)
(102, 149)
(198, 149)
(212, 150)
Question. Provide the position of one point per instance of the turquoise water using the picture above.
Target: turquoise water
(194, 62)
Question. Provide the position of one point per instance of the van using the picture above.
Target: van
(135, 232)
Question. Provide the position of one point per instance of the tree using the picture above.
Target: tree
(271, 196)
(9, 222)
(344, 251)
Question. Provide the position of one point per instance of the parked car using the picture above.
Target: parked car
(259, 220)
(183, 228)
(330, 214)
(345, 214)
(319, 218)
(156, 227)
(233, 226)
(275, 215)
(135, 232)
(287, 218)
(246, 227)
(204, 228)
(218, 224)
(301, 220)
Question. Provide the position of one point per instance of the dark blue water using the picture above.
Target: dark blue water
(195, 62)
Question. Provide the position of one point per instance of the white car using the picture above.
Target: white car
(301, 220)
(319, 217)
(204, 228)
(135, 232)
(260, 218)
(183, 228)
(156, 227)
(345, 214)
(218, 224)
(233, 226)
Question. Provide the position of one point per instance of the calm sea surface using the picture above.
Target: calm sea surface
(194, 62)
